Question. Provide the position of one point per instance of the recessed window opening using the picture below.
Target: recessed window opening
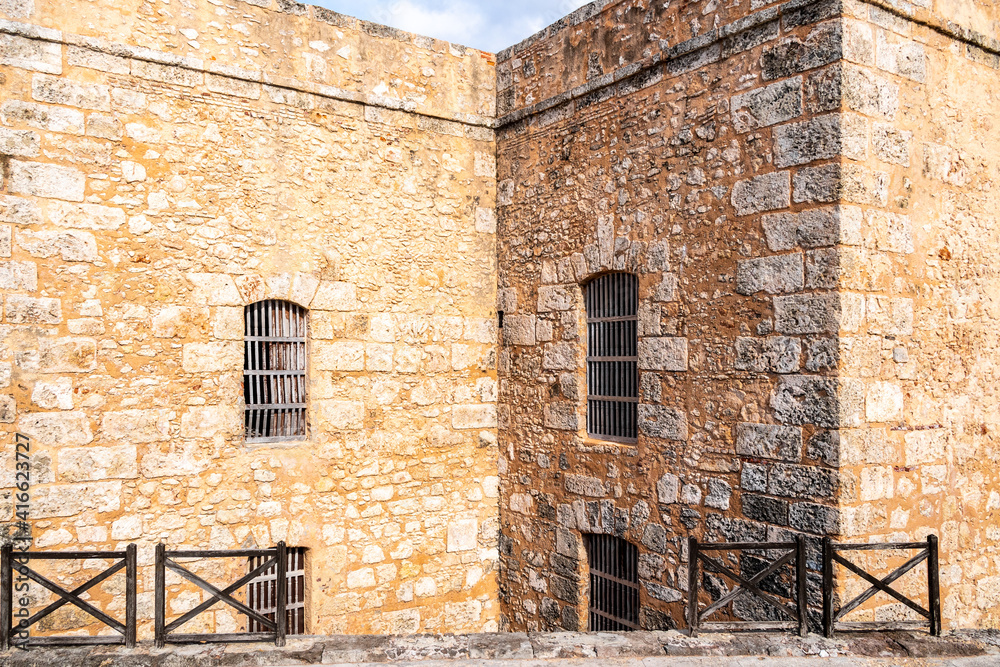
(614, 584)
(612, 303)
(262, 592)
(274, 375)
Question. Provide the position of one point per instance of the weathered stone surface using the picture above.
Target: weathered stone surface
(554, 298)
(663, 354)
(46, 180)
(658, 421)
(775, 275)
(32, 310)
(775, 354)
(179, 76)
(70, 245)
(56, 429)
(767, 441)
(19, 211)
(19, 276)
(60, 355)
(55, 90)
(823, 45)
(807, 313)
(667, 488)
(762, 193)
(136, 425)
(97, 463)
(761, 107)
(73, 499)
(336, 296)
(212, 357)
(585, 486)
(19, 143)
(30, 54)
(793, 481)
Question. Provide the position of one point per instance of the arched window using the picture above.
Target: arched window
(274, 371)
(612, 370)
(614, 584)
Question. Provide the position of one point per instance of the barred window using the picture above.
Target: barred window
(614, 583)
(274, 375)
(612, 369)
(262, 592)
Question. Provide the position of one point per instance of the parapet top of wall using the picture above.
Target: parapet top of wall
(609, 38)
(285, 39)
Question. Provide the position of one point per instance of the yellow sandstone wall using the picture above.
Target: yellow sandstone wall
(925, 459)
(166, 164)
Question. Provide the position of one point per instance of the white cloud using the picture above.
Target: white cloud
(455, 21)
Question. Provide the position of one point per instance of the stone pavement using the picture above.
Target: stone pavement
(563, 649)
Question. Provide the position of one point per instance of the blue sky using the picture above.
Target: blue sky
(482, 24)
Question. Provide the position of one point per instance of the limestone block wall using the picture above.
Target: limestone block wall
(164, 166)
(708, 172)
(923, 458)
(814, 356)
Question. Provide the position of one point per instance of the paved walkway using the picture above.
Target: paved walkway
(717, 661)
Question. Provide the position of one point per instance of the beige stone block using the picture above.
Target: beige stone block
(378, 356)
(519, 330)
(47, 180)
(31, 54)
(560, 356)
(212, 357)
(86, 326)
(486, 220)
(84, 216)
(867, 446)
(303, 289)
(127, 528)
(933, 479)
(67, 92)
(8, 409)
(19, 143)
(876, 483)
(554, 298)
(462, 535)
(60, 355)
(57, 429)
(42, 117)
(383, 328)
(883, 402)
(341, 415)
(663, 354)
(228, 323)
(520, 503)
(18, 276)
(56, 394)
(183, 322)
(166, 73)
(230, 86)
(137, 425)
(336, 296)
(52, 538)
(182, 464)
(462, 614)
(363, 578)
(65, 500)
(926, 446)
(214, 289)
(71, 246)
(409, 358)
(32, 310)
(86, 464)
(209, 421)
(339, 356)
(474, 416)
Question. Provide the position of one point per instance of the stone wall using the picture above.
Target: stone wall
(165, 165)
(756, 177)
(923, 458)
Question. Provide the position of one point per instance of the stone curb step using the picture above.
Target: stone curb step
(649, 649)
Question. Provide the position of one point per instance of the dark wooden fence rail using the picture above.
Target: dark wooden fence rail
(929, 552)
(20, 563)
(166, 632)
(793, 551)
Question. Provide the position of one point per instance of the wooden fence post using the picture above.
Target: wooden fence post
(281, 591)
(801, 585)
(828, 587)
(934, 585)
(6, 596)
(160, 595)
(693, 585)
(131, 578)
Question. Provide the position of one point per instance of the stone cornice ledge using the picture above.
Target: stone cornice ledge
(716, 35)
(30, 31)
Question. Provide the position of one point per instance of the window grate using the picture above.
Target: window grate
(614, 584)
(261, 592)
(274, 375)
(612, 363)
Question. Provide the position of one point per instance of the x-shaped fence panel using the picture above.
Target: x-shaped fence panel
(832, 619)
(166, 560)
(10, 634)
(788, 552)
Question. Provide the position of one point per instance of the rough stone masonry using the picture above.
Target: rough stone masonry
(807, 191)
